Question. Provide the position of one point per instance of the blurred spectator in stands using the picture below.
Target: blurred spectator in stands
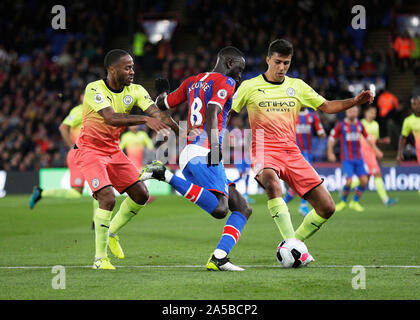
(403, 46)
(387, 101)
(415, 54)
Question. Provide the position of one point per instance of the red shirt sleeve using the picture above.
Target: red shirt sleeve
(318, 125)
(364, 133)
(179, 95)
(223, 90)
(335, 133)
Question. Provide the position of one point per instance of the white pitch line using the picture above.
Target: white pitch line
(202, 266)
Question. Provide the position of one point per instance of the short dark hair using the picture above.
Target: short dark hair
(230, 52)
(370, 106)
(113, 57)
(280, 46)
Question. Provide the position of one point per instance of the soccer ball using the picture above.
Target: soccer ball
(292, 253)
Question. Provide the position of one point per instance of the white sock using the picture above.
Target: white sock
(219, 253)
(168, 175)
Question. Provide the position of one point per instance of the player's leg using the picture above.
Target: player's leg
(129, 208)
(362, 172)
(202, 197)
(278, 209)
(38, 194)
(347, 169)
(106, 200)
(95, 206)
(123, 175)
(303, 207)
(382, 193)
(76, 183)
(232, 230)
(93, 168)
(323, 208)
(358, 192)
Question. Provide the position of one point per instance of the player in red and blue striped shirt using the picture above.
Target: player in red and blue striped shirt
(306, 123)
(349, 131)
(209, 97)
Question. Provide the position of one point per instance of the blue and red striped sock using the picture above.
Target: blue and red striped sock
(196, 194)
(345, 193)
(232, 231)
(289, 195)
(358, 193)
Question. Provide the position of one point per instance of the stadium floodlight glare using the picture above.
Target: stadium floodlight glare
(415, 21)
(157, 30)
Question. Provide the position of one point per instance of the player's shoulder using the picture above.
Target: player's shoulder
(135, 87)
(222, 79)
(97, 84)
(257, 80)
(77, 109)
(253, 83)
(412, 117)
(296, 83)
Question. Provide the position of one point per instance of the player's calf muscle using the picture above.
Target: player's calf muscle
(238, 203)
(321, 201)
(106, 198)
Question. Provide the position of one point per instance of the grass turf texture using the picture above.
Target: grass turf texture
(169, 242)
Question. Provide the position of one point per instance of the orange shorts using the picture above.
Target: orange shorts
(76, 177)
(102, 169)
(371, 163)
(291, 167)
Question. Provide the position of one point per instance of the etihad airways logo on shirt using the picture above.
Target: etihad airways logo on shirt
(284, 103)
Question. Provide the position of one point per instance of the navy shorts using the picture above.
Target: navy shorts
(354, 167)
(212, 178)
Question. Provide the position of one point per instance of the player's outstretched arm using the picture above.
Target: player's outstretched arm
(337, 106)
(122, 119)
(330, 150)
(65, 134)
(401, 144)
(153, 111)
(378, 152)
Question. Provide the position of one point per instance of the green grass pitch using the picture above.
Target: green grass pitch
(169, 242)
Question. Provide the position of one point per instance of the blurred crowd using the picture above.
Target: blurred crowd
(407, 51)
(43, 71)
(328, 54)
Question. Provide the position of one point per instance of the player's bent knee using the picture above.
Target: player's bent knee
(142, 197)
(106, 199)
(220, 212)
(138, 193)
(107, 203)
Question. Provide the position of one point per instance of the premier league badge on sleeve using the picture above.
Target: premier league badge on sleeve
(99, 98)
(222, 93)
